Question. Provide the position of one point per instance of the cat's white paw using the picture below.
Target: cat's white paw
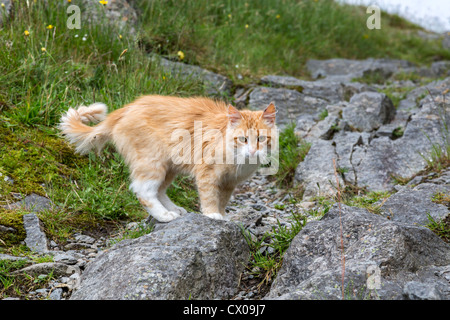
(215, 215)
(166, 216)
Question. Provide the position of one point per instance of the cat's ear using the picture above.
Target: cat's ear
(234, 116)
(269, 115)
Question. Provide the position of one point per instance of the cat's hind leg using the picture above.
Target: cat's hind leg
(146, 190)
(164, 198)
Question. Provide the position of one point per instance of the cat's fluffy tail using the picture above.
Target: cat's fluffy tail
(85, 138)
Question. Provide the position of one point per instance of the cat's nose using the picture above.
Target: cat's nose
(252, 152)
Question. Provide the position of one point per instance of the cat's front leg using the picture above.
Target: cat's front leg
(209, 199)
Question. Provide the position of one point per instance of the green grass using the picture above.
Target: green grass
(292, 150)
(265, 265)
(255, 38)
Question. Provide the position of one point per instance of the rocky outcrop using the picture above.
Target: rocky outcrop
(383, 260)
(215, 84)
(193, 257)
(373, 142)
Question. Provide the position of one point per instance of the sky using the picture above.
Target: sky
(433, 15)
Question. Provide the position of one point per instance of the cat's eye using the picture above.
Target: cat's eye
(243, 139)
(262, 138)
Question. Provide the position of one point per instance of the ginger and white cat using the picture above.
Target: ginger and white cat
(143, 133)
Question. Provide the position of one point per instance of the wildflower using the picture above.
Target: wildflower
(3, 5)
(103, 2)
(277, 16)
(366, 36)
(43, 49)
(120, 36)
(180, 55)
(246, 26)
(49, 27)
(69, 1)
(164, 77)
(229, 16)
(26, 33)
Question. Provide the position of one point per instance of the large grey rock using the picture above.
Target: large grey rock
(35, 238)
(192, 257)
(381, 258)
(290, 103)
(215, 84)
(368, 111)
(414, 205)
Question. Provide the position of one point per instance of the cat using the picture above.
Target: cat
(220, 146)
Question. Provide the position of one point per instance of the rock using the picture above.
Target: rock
(381, 257)
(372, 160)
(11, 258)
(215, 84)
(5, 229)
(117, 12)
(415, 290)
(191, 257)
(290, 103)
(84, 238)
(305, 123)
(440, 68)
(367, 111)
(57, 269)
(332, 91)
(56, 294)
(346, 69)
(435, 88)
(414, 205)
(32, 203)
(65, 257)
(316, 172)
(35, 237)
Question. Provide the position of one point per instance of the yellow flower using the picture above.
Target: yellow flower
(26, 33)
(103, 2)
(278, 16)
(120, 36)
(43, 49)
(164, 78)
(246, 26)
(49, 27)
(3, 5)
(229, 16)
(366, 36)
(69, 1)
(180, 55)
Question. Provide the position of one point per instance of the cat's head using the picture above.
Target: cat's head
(252, 133)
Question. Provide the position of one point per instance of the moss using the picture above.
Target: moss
(33, 158)
(12, 219)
